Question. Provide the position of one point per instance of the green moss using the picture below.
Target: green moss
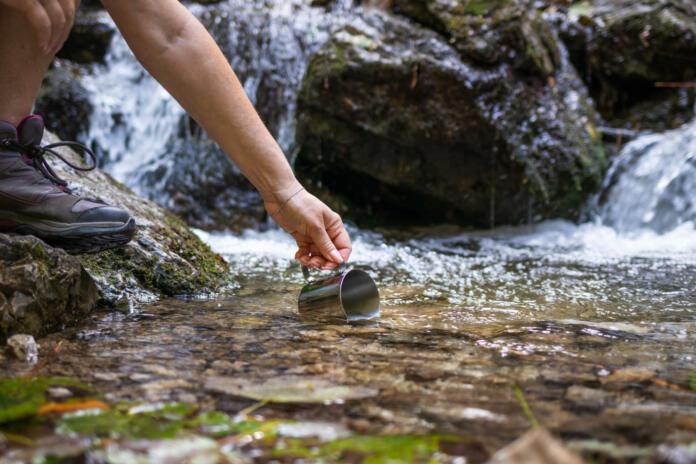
(156, 421)
(372, 450)
(163, 421)
(203, 270)
(20, 398)
(477, 7)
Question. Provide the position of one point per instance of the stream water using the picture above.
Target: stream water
(596, 323)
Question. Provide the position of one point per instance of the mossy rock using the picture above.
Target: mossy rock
(489, 32)
(393, 119)
(42, 289)
(622, 48)
(165, 258)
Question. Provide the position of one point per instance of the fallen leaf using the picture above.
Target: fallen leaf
(58, 409)
(288, 389)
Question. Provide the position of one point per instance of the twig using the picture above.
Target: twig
(246, 411)
(22, 440)
(44, 362)
(675, 84)
(525, 407)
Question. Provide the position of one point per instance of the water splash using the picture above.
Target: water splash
(555, 270)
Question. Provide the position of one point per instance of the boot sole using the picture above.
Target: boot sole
(83, 238)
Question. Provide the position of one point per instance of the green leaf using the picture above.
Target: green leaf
(219, 424)
(20, 398)
(116, 424)
(385, 449)
(692, 383)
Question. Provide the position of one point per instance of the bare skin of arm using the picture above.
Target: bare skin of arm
(177, 50)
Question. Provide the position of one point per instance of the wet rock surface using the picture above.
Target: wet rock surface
(164, 258)
(408, 125)
(42, 289)
(623, 48)
(89, 39)
(63, 102)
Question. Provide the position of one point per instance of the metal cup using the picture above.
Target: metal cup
(349, 296)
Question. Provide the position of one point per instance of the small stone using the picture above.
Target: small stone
(535, 447)
(164, 385)
(687, 422)
(627, 376)
(59, 393)
(24, 347)
(188, 398)
(586, 396)
(3, 442)
(107, 376)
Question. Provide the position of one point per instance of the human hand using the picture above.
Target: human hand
(322, 240)
(50, 19)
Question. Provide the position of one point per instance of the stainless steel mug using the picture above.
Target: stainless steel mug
(351, 295)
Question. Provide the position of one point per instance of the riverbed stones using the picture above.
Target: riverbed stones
(42, 289)
(406, 125)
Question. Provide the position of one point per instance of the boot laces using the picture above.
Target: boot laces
(36, 154)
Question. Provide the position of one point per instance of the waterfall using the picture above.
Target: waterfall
(135, 122)
(652, 183)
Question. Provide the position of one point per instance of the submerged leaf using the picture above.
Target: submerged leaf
(289, 389)
(391, 449)
(21, 398)
(161, 420)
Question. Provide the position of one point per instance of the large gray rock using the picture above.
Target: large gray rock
(408, 125)
(42, 289)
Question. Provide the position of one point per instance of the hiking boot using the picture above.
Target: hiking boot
(35, 201)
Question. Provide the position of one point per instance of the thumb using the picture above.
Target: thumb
(322, 240)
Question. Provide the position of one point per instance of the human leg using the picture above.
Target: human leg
(23, 65)
(33, 199)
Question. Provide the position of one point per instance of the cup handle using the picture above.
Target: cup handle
(341, 269)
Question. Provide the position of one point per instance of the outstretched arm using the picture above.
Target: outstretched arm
(177, 50)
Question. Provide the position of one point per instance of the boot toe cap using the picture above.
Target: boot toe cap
(105, 214)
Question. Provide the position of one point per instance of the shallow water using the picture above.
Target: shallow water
(597, 330)
(596, 327)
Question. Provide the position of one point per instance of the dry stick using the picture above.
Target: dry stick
(246, 411)
(44, 362)
(675, 84)
(22, 440)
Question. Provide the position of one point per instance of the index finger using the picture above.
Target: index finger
(340, 238)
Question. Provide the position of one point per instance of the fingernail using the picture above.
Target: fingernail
(336, 256)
